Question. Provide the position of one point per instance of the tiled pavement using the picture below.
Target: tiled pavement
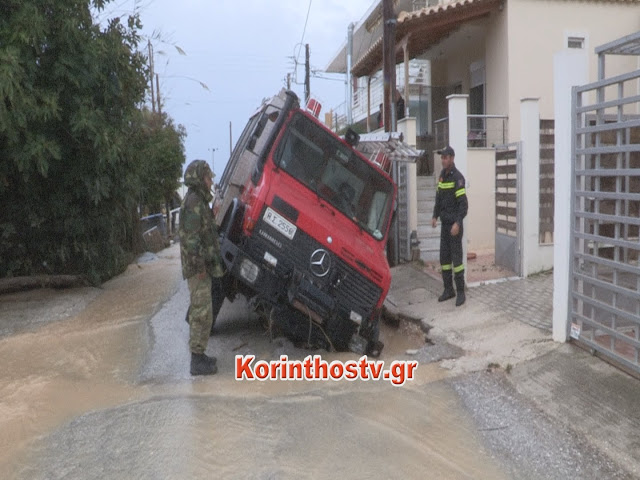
(575, 388)
(528, 299)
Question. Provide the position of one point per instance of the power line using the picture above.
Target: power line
(304, 30)
(296, 56)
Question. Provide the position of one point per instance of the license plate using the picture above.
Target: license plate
(281, 224)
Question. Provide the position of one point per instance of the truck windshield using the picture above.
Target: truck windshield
(336, 173)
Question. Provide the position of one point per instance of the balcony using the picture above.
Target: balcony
(483, 131)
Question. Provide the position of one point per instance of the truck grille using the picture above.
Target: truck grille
(354, 291)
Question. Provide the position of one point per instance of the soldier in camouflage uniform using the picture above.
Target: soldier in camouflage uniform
(201, 262)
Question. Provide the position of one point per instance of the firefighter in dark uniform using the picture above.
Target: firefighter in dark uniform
(451, 207)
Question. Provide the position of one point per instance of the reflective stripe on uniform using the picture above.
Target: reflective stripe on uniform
(446, 267)
(458, 269)
(446, 185)
(460, 192)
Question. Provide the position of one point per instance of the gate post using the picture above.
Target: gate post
(529, 184)
(458, 141)
(569, 68)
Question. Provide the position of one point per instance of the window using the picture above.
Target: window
(334, 172)
(575, 42)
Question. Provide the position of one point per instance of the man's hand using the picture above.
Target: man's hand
(202, 275)
(455, 229)
(434, 222)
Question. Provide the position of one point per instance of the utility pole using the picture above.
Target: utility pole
(389, 74)
(288, 81)
(349, 80)
(389, 64)
(307, 84)
(151, 76)
(213, 158)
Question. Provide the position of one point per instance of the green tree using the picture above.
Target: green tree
(157, 146)
(69, 92)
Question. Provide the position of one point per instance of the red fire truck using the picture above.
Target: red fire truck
(304, 219)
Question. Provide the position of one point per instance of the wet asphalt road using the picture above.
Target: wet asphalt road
(110, 397)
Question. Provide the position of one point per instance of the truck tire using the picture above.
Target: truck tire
(231, 226)
(374, 345)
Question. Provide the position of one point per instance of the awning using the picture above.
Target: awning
(422, 29)
(390, 143)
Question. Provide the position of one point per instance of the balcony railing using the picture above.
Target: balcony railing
(420, 4)
(483, 131)
(441, 127)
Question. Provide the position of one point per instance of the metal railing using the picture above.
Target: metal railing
(483, 131)
(420, 4)
(441, 132)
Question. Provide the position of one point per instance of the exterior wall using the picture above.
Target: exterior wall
(531, 49)
(481, 182)
(438, 73)
(496, 66)
(458, 66)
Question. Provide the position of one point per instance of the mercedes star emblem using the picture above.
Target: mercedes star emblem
(320, 262)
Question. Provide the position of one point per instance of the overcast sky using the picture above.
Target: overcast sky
(241, 51)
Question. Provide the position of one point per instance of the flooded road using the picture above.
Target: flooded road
(104, 392)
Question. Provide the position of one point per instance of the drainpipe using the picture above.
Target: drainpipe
(349, 62)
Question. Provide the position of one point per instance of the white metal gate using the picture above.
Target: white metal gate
(604, 301)
(508, 245)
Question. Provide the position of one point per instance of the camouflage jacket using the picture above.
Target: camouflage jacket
(199, 247)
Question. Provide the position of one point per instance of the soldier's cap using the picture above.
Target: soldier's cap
(447, 151)
(195, 173)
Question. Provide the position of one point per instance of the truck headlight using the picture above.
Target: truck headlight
(249, 270)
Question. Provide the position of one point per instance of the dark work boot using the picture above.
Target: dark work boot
(202, 364)
(460, 288)
(447, 280)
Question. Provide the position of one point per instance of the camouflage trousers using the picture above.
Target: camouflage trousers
(200, 313)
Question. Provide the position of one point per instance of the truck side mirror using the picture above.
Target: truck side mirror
(257, 132)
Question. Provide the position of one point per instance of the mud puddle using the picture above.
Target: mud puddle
(106, 393)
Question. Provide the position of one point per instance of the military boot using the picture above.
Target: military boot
(447, 280)
(202, 364)
(460, 288)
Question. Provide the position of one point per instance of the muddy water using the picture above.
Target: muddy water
(52, 374)
(106, 394)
